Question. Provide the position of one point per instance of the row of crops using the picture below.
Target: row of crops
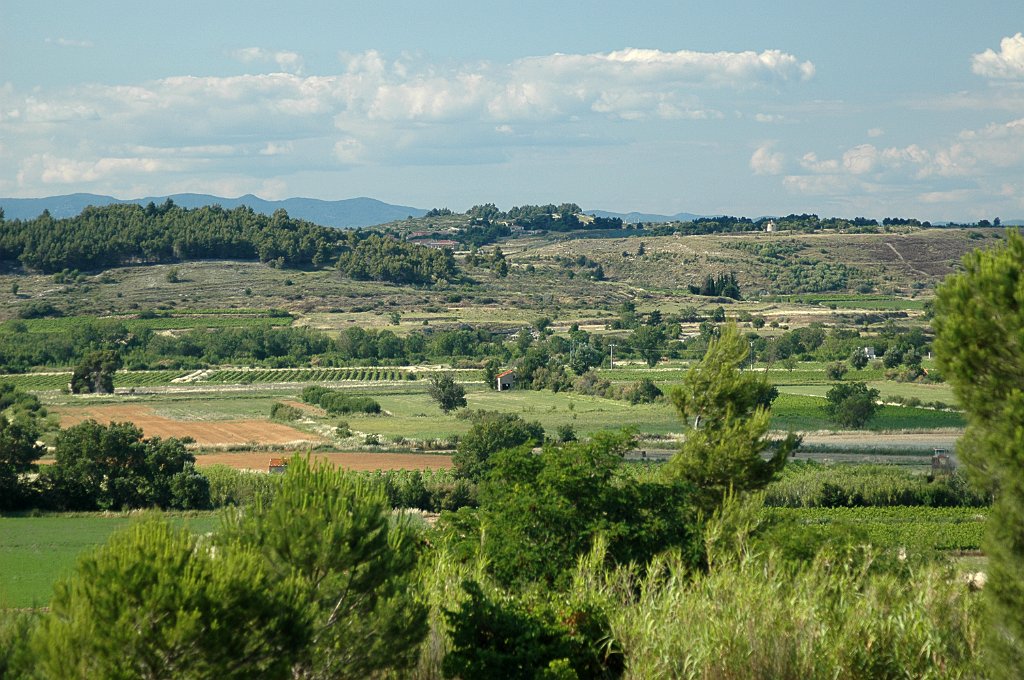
(372, 374)
(909, 527)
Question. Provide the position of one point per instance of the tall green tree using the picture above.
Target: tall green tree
(354, 567)
(18, 451)
(851, 405)
(492, 432)
(159, 602)
(726, 411)
(539, 513)
(448, 394)
(95, 372)
(111, 467)
(979, 325)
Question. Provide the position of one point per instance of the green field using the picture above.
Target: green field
(36, 551)
(921, 528)
(806, 413)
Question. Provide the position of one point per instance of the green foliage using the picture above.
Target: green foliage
(284, 412)
(117, 234)
(18, 451)
(382, 258)
(851, 405)
(726, 411)
(644, 391)
(811, 485)
(113, 467)
(448, 394)
(832, 619)
(979, 325)
(492, 432)
(229, 486)
(95, 373)
(499, 636)
(724, 285)
(917, 529)
(159, 602)
(353, 567)
(539, 513)
(16, 629)
(836, 371)
(337, 403)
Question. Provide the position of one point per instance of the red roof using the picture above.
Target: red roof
(278, 462)
(508, 372)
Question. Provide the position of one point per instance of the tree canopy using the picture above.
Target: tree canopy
(727, 418)
(979, 325)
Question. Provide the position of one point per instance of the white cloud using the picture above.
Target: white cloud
(810, 162)
(50, 169)
(289, 62)
(876, 132)
(376, 111)
(964, 175)
(764, 161)
(276, 149)
(67, 42)
(1007, 63)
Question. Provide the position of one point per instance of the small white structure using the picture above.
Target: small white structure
(770, 227)
(506, 380)
(869, 352)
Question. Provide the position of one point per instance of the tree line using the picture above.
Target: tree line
(124, 234)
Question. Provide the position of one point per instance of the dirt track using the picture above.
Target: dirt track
(258, 460)
(205, 433)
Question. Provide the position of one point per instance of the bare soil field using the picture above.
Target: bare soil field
(910, 440)
(259, 460)
(205, 433)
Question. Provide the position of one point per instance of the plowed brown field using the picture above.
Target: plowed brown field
(205, 433)
(249, 460)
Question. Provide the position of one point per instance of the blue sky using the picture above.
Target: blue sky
(868, 108)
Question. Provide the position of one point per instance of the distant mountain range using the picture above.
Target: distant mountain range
(634, 217)
(351, 212)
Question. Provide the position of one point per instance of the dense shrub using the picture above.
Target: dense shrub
(284, 412)
(338, 403)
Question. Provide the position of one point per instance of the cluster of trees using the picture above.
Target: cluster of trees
(21, 349)
(723, 285)
(99, 467)
(550, 217)
(121, 234)
(383, 258)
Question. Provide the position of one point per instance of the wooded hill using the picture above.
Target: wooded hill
(116, 235)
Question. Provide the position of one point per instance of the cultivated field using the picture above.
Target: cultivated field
(205, 433)
(352, 460)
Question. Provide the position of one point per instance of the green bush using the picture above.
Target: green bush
(284, 412)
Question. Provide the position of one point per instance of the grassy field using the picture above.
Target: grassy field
(36, 551)
(921, 528)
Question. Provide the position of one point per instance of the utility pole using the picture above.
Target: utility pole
(611, 355)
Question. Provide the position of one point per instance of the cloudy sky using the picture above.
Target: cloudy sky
(873, 108)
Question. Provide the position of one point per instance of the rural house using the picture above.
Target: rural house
(506, 380)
